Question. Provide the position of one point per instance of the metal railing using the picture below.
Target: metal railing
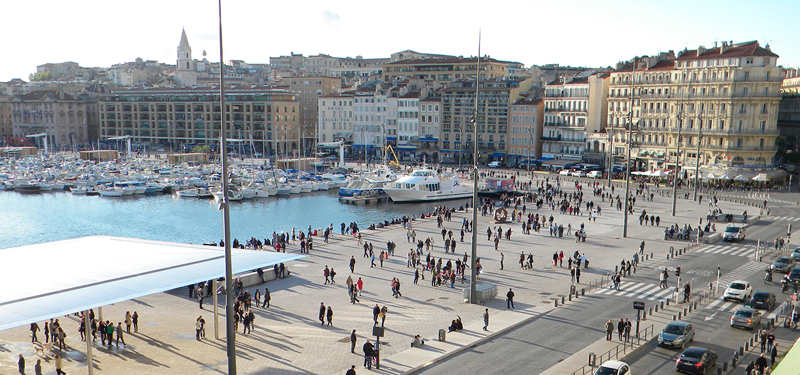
(614, 353)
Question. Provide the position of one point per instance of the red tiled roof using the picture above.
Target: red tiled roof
(736, 50)
(410, 95)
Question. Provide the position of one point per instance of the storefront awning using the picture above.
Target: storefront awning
(406, 148)
(428, 139)
(391, 139)
(498, 154)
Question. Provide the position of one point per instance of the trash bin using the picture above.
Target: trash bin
(442, 335)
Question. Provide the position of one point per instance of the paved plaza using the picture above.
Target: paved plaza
(288, 337)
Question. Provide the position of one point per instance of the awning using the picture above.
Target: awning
(368, 147)
(498, 154)
(428, 139)
(406, 148)
(85, 281)
(345, 135)
(544, 159)
(391, 139)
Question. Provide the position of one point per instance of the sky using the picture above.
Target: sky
(591, 33)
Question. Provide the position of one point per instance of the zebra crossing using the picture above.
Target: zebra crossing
(727, 249)
(782, 218)
(743, 272)
(638, 291)
(760, 197)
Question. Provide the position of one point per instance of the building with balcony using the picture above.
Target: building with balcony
(724, 99)
(308, 90)
(573, 107)
(458, 108)
(444, 69)
(263, 119)
(789, 111)
(329, 66)
(525, 127)
(430, 126)
(61, 116)
(5, 119)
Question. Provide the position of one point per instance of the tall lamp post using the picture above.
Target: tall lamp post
(677, 165)
(460, 142)
(530, 131)
(697, 156)
(610, 153)
(628, 172)
(473, 290)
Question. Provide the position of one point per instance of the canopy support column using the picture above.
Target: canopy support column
(88, 328)
(216, 310)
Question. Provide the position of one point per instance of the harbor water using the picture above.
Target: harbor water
(52, 216)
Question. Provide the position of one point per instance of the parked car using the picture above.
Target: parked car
(747, 318)
(734, 234)
(494, 164)
(783, 264)
(762, 300)
(796, 254)
(565, 172)
(595, 174)
(676, 334)
(579, 173)
(696, 360)
(613, 368)
(738, 290)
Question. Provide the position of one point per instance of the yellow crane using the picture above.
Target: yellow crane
(394, 164)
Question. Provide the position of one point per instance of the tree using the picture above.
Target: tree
(41, 76)
(202, 149)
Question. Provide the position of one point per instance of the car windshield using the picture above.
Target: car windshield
(760, 296)
(744, 313)
(692, 354)
(732, 230)
(673, 329)
(738, 286)
(782, 260)
(605, 371)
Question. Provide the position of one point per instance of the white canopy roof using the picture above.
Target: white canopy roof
(58, 278)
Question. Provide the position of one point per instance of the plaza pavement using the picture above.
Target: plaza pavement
(288, 338)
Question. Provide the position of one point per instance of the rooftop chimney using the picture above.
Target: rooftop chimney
(701, 50)
(723, 48)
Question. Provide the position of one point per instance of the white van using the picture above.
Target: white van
(595, 174)
(494, 164)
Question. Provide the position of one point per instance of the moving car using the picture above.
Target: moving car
(565, 172)
(579, 173)
(676, 334)
(747, 318)
(494, 164)
(738, 290)
(696, 360)
(733, 234)
(783, 264)
(613, 368)
(794, 276)
(762, 300)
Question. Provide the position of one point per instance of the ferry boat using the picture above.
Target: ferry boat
(424, 185)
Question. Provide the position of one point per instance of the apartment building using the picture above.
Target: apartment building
(262, 119)
(574, 107)
(308, 90)
(458, 105)
(335, 120)
(5, 119)
(723, 100)
(444, 69)
(789, 110)
(61, 116)
(430, 125)
(329, 66)
(526, 116)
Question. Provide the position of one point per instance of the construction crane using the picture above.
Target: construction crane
(394, 164)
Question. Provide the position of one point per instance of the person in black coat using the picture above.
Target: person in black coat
(322, 313)
(369, 352)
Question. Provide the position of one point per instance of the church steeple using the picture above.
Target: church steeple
(184, 52)
(184, 40)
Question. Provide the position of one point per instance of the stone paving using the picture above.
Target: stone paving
(288, 337)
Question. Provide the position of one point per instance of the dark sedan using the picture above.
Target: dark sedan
(696, 360)
(794, 276)
(762, 300)
(783, 264)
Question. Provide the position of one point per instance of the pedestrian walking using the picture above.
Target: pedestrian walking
(34, 329)
(375, 312)
(128, 321)
(763, 338)
(772, 354)
(770, 341)
(200, 297)
(486, 320)
(368, 353)
(37, 368)
(135, 320)
(327, 273)
(21, 364)
(322, 313)
(502, 257)
(352, 264)
(620, 328)
(510, 299)
(609, 330)
(382, 314)
(59, 366)
(330, 316)
(353, 339)
(360, 285)
(267, 298)
(198, 326)
(578, 275)
(119, 334)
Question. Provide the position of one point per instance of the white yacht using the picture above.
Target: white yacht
(427, 185)
(334, 180)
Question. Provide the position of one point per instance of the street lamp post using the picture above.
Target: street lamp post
(529, 130)
(677, 166)
(610, 153)
(697, 156)
(628, 174)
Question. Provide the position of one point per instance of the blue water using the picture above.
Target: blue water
(34, 218)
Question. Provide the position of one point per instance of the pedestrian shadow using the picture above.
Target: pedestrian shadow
(171, 349)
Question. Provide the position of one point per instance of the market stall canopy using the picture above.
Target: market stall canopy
(659, 173)
(761, 177)
(741, 177)
(83, 273)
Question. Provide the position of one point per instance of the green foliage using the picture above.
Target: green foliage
(202, 149)
(41, 76)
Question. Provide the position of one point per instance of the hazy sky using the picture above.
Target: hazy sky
(568, 32)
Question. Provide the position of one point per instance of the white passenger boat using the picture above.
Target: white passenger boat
(111, 191)
(334, 180)
(427, 185)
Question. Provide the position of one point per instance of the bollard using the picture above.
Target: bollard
(746, 347)
(562, 300)
(656, 308)
(634, 269)
(741, 351)
(751, 341)
(644, 315)
(570, 296)
(576, 294)
(695, 305)
(667, 256)
(674, 317)
(662, 305)
(651, 310)
(651, 255)
(719, 370)
(583, 291)
(772, 322)
(733, 361)
(690, 307)
(684, 312)
(556, 303)
(724, 366)
(679, 315)
(667, 302)
(616, 269)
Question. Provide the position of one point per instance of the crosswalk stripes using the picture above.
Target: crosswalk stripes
(725, 249)
(743, 272)
(638, 290)
(783, 218)
(755, 197)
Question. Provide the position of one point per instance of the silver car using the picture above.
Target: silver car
(783, 264)
(676, 334)
(746, 318)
